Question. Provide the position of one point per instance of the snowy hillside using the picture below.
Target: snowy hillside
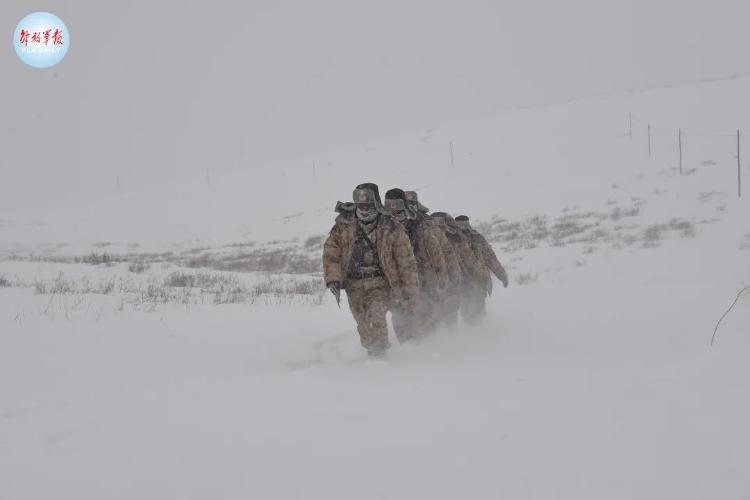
(514, 163)
(178, 342)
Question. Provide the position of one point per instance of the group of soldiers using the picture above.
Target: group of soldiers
(394, 255)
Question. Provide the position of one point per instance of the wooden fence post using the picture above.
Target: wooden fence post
(739, 168)
(679, 142)
(630, 125)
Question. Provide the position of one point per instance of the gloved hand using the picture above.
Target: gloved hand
(503, 277)
(335, 288)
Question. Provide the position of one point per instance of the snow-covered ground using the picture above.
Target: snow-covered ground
(591, 378)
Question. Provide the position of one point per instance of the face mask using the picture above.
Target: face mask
(397, 209)
(366, 213)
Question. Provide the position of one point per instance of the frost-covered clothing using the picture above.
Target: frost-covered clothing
(425, 240)
(433, 273)
(472, 303)
(470, 295)
(473, 299)
(486, 255)
(472, 270)
(450, 299)
(346, 261)
(464, 271)
(393, 248)
(452, 264)
(365, 262)
(369, 300)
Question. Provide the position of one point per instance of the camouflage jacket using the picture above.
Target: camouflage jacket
(472, 269)
(451, 258)
(486, 254)
(431, 263)
(394, 251)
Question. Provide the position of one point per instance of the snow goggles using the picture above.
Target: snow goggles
(394, 206)
(364, 198)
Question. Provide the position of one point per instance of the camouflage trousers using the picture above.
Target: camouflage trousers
(417, 319)
(429, 311)
(450, 303)
(473, 296)
(404, 322)
(369, 300)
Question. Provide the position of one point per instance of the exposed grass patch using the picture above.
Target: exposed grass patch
(284, 260)
(653, 234)
(685, 227)
(139, 267)
(526, 278)
(206, 281)
(62, 285)
(96, 259)
(618, 212)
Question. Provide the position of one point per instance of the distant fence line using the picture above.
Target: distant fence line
(679, 134)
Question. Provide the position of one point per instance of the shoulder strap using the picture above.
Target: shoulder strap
(367, 239)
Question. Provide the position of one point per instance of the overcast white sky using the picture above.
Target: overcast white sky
(155, 91)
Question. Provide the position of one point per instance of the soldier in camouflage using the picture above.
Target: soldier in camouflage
(433, 271)
(473, 301)
(368, 254)
(347, 209)
(449, 250)
(450, 300)
(412, 201)
(467, 270)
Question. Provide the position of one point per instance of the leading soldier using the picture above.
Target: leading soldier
(368, 254)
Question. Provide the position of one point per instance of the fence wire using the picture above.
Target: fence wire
(675, 139)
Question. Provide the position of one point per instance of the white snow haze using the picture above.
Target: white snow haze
(165, 331)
